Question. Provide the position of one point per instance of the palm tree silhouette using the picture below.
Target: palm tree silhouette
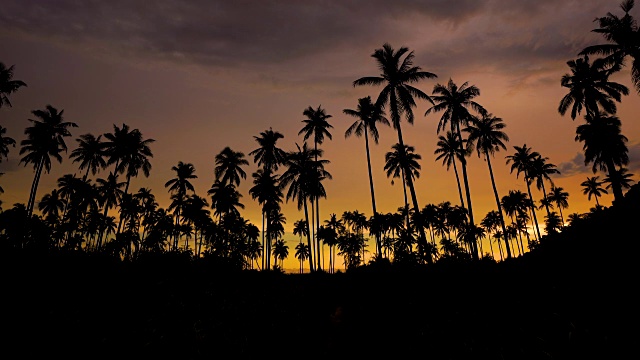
(268, 155)
(111, 193)
(5, 142)
(179, 186)
(487, 136)
(90, 153)
(51, 205)
(593, 187)
(7, 85)
(541, 171)
(368, 115)
(267, 191)
(401, 159)
(620, 178)
(455, 103)
(229, 166)
(397, 75)
(604, 145)
(522, 161)
(622, 34)
(590, 88)
(558, 196)
(302, 253)
(45, 139)
(316, 125)
(448, 150)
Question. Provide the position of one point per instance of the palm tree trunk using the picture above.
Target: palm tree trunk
(373, 196)
(406, 201)
(263, 243)
(34, 188)
(544, 193)
(126, 191)
(533, 210)
(455, 170)
(495, 193)
(615, 186)
(474, 244)
(306, 216)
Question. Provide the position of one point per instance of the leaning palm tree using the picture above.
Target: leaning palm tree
(593, 187)
(560, 198)
(522, 162)
(604, 146)
(5, 142)
(368, 115)
(90, 153)
(448, 151)
(487, 136)
(622, 34)
(398, 75)
(590, 88)
(7, 85)
(45, 139)
(398, 161)
(456, 104)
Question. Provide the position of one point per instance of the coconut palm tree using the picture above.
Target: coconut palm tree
(590, 88)
(368, 115)
(593, 187)
(620, 178)
(111, 193)
(456, 104)
(398, 74)
(7, 85)
(229, 166)
(268, 155)
(225, 199)
(622, 34)
(51, 205)
(179, 187)
(45, 139)
(448, 151)
(302, 253)
(560, 198)
(604, 146)
(280, 251)
(401, 159)
(522, 161)
(5, 142)
(541, 170)
(90, 153)
(266, 189)
(485, 133)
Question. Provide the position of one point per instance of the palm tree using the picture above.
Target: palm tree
(541, 171)
(368, 115)
(590, 88)
(229, 166)
(593, 187)
(5, 142)
(398, 161)
(456, 104)
(179, 186)
(398, 76)
(51, 205)
(559, 197)
(45, 139)
(620, 178)
(225, 199)
(7, 85)
(111, 193)
(622, 34)
(268, 155)
(487, 136)
(316, 125)
(302, 253)
(267, 191)
(522, 161)
(448, 150)
(280, 251)
(90, 153)
(604, 146)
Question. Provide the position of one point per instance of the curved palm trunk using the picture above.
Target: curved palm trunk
(406, 201)
(126, 191)
(455, 170)
(533, 211)
(263, 243)
(34, 188)
(495, 193)
(474, 244)
(373, 196)
(306, 216)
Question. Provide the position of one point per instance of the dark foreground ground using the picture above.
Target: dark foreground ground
(571, 300)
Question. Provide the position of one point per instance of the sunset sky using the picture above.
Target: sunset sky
(200, 75)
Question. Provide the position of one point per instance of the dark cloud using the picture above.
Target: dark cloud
(634, 158)
(10, 165)
(573, 166)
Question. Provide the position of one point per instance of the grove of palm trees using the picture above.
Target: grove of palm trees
(96, 267)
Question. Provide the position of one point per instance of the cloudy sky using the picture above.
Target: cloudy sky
(200, 75)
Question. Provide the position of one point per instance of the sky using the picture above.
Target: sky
(197, 76)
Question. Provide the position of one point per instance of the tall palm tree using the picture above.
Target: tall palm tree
(541, 170)
(180, 185)
(522, 161)
(622, 34)
(590, 88)
(398, 74)
(593, 187)
(316, 125)
(267, 191)
(45, 139)
(5, 142)
(448, 151)
(368, 115)
(268, 155)
(90, 153)
(302, 253)
(7, 85)
(487, 136)
(456, 103)
(280, 251)
(111, 193)
(129, 151)
(229, 166)
(399, 160)
(559, 197)
(604, 146)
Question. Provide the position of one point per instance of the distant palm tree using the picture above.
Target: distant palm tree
(487, 136)
(7, 85)
(229, 166)
(90, 153)
(552, 223)
(267, 191)
(179, 186)
(111, 193)
(559, 197)
(604, 145)
(302, 253)
(456, 104)
(5, 142)
(540, 171)
(268, 155)
(593, 187)
(368, 115)
(448, 151)
(522, 161)
(280, 251)
(45, 139)
(398, 161)
(225, 199)
(398, 75)
(51, 205)
(622, 34)
(590, 88)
